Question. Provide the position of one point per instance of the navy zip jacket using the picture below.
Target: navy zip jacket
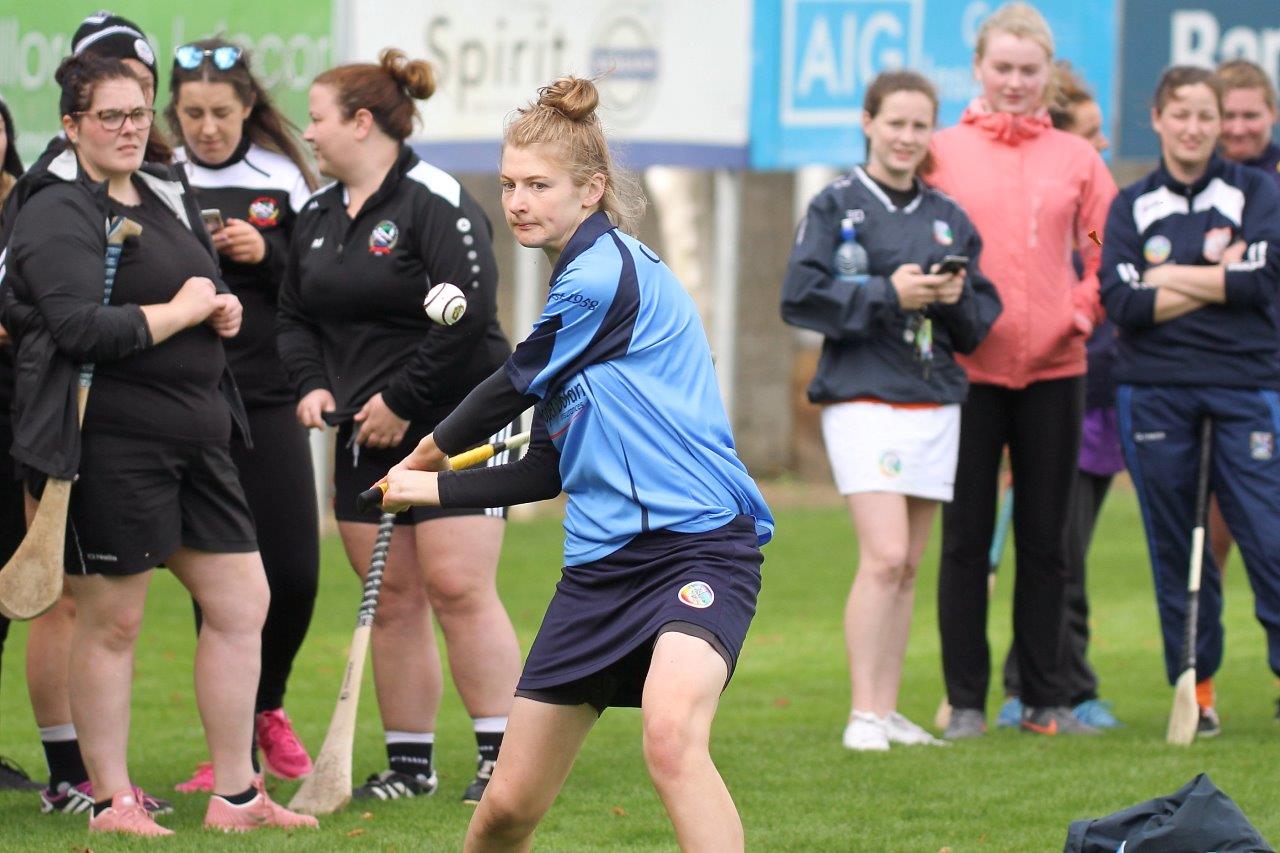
(867, 351)
(1159, 220)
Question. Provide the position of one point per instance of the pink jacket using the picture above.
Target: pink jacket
(1034, 193)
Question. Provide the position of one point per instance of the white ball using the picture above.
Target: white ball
(445, 304)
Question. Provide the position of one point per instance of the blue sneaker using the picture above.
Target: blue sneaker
(1010, 713)
(1096, 713)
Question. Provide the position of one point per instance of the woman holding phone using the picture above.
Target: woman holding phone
(886, 269)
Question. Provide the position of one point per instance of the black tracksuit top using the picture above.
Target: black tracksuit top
(1159, 220)
(265, 189)
(351, 317)
(865, 352)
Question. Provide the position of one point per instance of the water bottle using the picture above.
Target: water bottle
(851, 258)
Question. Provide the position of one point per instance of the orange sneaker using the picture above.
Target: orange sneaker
(259, 812)
(127, 816)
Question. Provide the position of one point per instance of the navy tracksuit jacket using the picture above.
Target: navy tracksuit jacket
(1220, 361)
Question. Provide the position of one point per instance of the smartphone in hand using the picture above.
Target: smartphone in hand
(953, 264)
(212, 218)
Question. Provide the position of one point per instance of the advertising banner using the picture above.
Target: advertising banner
(289, 41)
(1159, 33)
(675, 78)
(813, 60)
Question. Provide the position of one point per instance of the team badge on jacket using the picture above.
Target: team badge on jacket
(1216, 241)
(1157, 249)
(697, 594)
(1262, 446)
(383, 238)
(942, 233)
(264, 212)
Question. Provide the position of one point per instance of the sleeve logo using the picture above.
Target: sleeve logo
(383, 238)
(1157, 250)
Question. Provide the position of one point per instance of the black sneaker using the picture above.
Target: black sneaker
(1209, 725)
(14, 778)
(1054, 721)
(390, 785)
(484, 772)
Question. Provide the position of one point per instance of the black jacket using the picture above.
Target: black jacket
(351, 318)
(865, 353)
(265, 189)
(72, 325)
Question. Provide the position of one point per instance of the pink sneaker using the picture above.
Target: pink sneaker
(201, 780)
(283, 755)
(259, 812)
(127, 816)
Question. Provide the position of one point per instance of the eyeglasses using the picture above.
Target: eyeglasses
(189, 56)
(142, 117)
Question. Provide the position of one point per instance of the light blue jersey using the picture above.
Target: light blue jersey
(621, 366)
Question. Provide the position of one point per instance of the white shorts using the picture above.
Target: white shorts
(875, 447)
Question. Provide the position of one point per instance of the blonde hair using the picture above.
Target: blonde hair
(1016, 19)
(565, 116)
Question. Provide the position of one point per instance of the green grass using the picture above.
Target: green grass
(777, 734)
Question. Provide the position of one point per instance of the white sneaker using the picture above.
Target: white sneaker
(865, 733)
(898, 729)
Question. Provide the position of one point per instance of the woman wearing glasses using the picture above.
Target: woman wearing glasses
(155, 483)
(244, 163)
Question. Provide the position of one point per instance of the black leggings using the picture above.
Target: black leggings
(1078, 677)
(13, 521)
(279, 484)
(1041, 426)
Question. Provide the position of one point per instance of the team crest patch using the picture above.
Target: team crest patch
(1157, 249)
(890, 463)
(1216, 241)
(264, 212)
(942, 233)
(383, 238)
(696, 594)
(1262, 446)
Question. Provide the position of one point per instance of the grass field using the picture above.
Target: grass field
(777, 737)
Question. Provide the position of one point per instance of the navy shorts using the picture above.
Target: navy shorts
(356, 468)
(598, 634)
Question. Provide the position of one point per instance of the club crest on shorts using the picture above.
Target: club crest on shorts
(1156, 250)
(1216, 241)
(890, 463)
(696, 594)
(383, 238)
(264, 212)
(942, 233)
(1262, 446)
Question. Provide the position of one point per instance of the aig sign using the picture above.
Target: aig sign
(813, 59)
(1159, 33)
(833, 49)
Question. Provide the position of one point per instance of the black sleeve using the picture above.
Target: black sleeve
(489, 407)
(57, 252)
(456, 245)
(970, 319)
(536, 477)
(814, 298)
(297, 337)
(1252, 281)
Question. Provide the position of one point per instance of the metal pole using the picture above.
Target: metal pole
(724, 317)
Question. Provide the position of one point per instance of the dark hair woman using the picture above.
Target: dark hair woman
(243, 161)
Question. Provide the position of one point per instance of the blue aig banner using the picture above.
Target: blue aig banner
(1159, 33)
(813, 60)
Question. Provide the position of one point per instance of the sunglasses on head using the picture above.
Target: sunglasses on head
(189, 56)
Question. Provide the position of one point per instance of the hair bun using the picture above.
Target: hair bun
(575, 98)
(413, 75)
